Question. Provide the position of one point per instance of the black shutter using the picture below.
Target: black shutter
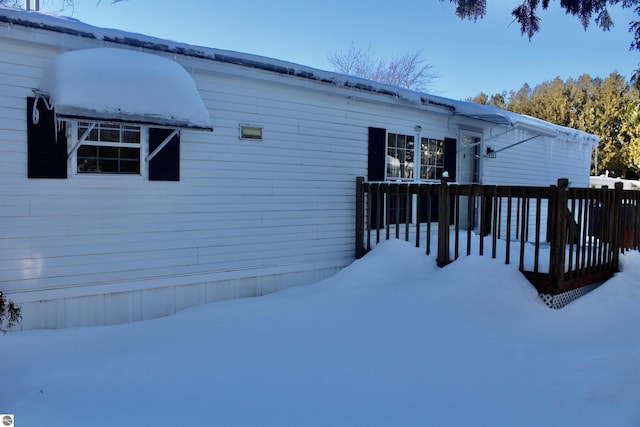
(450, 157)
(46, 154)
(377, 166)
(377, 154)
(165, 165)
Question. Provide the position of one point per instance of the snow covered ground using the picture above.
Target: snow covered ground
(390, 341)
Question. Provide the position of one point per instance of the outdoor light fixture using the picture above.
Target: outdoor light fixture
(491, 153)
(251, 132)
(417, 128)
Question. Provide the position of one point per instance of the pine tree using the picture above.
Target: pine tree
(587, 11)
(608, 108)
(9, 313)
(519, 102)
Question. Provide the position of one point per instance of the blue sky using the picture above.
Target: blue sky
(487, 56)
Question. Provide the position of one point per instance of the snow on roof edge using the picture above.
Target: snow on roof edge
(100, 82)
(73, 26)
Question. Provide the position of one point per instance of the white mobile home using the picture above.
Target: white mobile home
(142, 176)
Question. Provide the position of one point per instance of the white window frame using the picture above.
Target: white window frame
(417, 155)
(386, 162)
(417, 136)
(439, 168)
(74, 143)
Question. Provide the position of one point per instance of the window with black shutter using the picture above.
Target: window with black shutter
(96, 147)
(394, 157)
(78, 126)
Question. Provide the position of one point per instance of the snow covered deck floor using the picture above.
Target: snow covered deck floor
(565, 241)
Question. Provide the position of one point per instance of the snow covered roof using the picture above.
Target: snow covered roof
(124, 85)
(455, 107)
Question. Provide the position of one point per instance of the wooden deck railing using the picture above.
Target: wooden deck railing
(563, 238)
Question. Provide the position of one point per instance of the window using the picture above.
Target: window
(401, 161)
(431, 158)
(57, 147)
(108, 148)
(392, 156)
(400, 150)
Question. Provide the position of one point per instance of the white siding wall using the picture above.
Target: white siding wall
(246, 217)
(538, 162)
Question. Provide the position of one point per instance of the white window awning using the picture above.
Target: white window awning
(123, 85)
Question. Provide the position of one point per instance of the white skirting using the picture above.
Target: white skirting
(135, 305)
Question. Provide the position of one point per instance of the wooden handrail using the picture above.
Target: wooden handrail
(591, 225)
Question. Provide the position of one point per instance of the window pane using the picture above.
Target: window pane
(128, 166)
(93, 135)
(393, 167)
(129, 153)
(108, 152)
(109, 134)
(108, 156)
(87, 165)
(431, 158)
(391, 140)
(440, 154)
(87, 151)
(400, 156)
(107, 166)
(408, 155)
(401, 172)
(439, 172)
(131, 135)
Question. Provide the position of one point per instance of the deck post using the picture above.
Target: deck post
(619, 225)
(443, 222)
(360, 217)
(559, 197)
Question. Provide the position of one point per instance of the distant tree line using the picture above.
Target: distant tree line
(608, 108)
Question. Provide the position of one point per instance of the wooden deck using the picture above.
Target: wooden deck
(576, 234)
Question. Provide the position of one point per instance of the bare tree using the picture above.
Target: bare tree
(409, 70)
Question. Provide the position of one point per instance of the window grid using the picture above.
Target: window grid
(431, 158)
(400, 157)
(400, 149)
(109, 148)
